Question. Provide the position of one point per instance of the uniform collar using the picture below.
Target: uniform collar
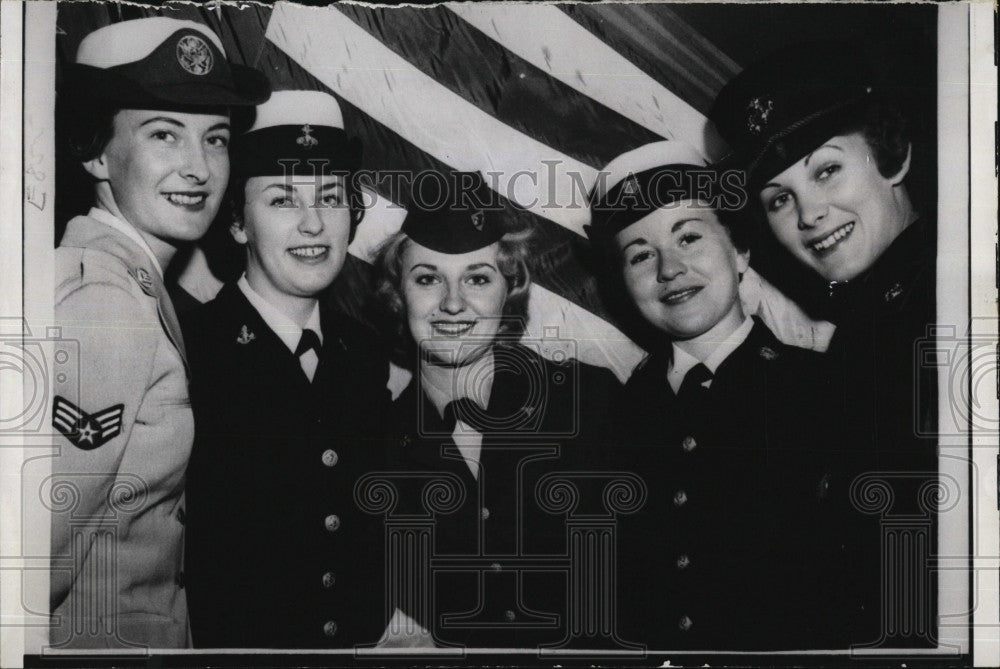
(284, 327)
(473, 381)
(683, 361)
(127, 229)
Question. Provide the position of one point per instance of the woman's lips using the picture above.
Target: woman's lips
(311, 253)
(826, 244)
(452, 328)
(680, 295)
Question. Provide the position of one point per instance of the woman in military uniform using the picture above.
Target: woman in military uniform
(487, 416)
(150, 124)
(288, 400)
(827, 152)
(736, 547)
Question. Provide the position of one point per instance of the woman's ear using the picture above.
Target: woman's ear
(237, 229)
(904, 169)
(742, 262)
(97, 167)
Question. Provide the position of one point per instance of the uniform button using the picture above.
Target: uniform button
(181, 516)
(688, 444)
(405, 441)
(680, 498)
(330, 457)
(330, 628)
(332, 522)
(484, 513)
(496, 566)
(509, 615)
(329, 579)
(179, 580)
(685, 623)
(683, 561)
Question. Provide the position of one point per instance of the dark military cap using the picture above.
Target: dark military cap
(296, 133)
(642, 180)
(786, 105)
(453, 212)
(159, 63)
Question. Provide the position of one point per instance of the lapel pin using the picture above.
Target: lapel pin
(245, 336)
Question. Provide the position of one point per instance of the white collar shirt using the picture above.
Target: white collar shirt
(283, 326)
(127, 229)
(683, 361)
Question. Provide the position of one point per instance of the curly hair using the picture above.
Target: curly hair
(512, 261)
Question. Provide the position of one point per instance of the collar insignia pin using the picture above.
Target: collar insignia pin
(245, 336)
(307, 141)
(768, 353)
(144, 279)
(893, 293)
(194, 55)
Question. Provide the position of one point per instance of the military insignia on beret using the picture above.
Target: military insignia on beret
(768, 353)
(194, 55)
(86, 431)
(245, 336)
(307, 141)
(144, 279)
(758, 111)
(478, 220)
(893, 293)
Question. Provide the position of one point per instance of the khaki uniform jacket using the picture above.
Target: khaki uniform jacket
(118, 475)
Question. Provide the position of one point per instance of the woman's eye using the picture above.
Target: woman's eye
(219, 141)
(282, 201)
(640, 257)
(778, 201)
(425, 280)
(479, 280)
(163, 136)
(332, 200)
(689, 238)
(827, 171)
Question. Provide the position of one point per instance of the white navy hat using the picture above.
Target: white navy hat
(301, 130)
(161, 62)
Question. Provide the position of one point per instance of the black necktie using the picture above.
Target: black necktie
(468, 412)
(693, 390)
(308, 342)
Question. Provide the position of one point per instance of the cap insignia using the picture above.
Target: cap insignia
(194, 55)
(477, 221)
(631, 186)
(758, 111)
(307, 141)
(245, 336)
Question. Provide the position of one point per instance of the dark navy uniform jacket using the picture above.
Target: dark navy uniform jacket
(739, 546)
(890, 399)
(494, 581)
(278, 553)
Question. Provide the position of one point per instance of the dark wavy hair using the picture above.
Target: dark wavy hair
(512, 261)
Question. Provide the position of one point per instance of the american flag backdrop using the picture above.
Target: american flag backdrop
(544, 94)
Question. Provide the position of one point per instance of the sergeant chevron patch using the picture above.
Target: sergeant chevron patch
(86, 431)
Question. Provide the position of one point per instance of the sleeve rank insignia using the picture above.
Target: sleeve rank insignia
(86, 431)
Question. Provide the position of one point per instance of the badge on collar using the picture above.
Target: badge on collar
(86, 431)
(144, 279)
(893, 293)
(768, 353)
(245, 336)
(194, 55)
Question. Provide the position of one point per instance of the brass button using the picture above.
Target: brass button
(683, 561)
(680, 498)
(509, 615)
(484, 513)
(330, 457)
(689, 444)
(685, 623)
(496, 566)
(329, 579)
(330, 628)
(332, 522)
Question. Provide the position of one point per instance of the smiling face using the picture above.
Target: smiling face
(682, 271)
(834, 210)
(296, 235)
(454, 302)
(166, 172)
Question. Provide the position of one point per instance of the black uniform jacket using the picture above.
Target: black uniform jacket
(499, 556)
(278, 553)
(739, 544)
(889, 381)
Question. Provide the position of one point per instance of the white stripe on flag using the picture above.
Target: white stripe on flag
(388, 88)
(556, 44)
